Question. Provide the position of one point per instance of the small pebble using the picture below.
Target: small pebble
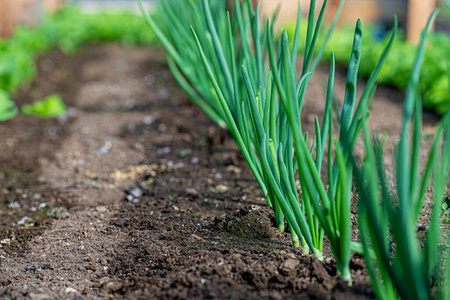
(163, 94)
(221, 188)
(162, 127)
(148, 120)
(34, 296)
(87, 142)
(191, 191)
(14, 205)
(71, 290)
(103, 150)
(234, 169)
(135, 192)
(101, 209)
(164, 150)
(22, 221)
(149, 79)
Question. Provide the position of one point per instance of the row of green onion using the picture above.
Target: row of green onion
(245, 80)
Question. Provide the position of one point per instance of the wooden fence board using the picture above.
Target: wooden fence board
(418, 13)
(19, 12)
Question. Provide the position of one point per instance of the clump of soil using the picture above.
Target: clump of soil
(249, 223)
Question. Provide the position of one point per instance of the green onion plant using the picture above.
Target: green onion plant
(260, 103)
(184, 59)
(399, 267)
(329, 204)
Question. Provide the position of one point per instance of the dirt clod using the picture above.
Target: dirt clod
(288, 266)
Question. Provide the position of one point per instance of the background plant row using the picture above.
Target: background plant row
(434, 80)
(68, 30)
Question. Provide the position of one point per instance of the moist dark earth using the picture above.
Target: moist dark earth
(135, 194)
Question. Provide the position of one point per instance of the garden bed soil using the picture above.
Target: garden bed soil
(134, 193)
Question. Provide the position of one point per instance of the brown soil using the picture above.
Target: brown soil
(135, 194)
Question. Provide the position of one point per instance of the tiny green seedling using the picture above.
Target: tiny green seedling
(218, 189)
(200, 143)
(445, 212)
(53, 211)
(96, 184)
(184, 152)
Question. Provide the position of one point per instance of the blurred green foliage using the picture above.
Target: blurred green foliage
(50, 107)
(7, 107)
(68, 30)
(434, 80)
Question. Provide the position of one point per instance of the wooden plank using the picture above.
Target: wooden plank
(20, 12)
(8, 13)
(53, 5)
(17, 12)
(288, 9)
(366, 10)
(418, 13)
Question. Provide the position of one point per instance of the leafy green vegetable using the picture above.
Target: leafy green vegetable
(7, 107)
(434, 83)
(50, 107)
(68, 29)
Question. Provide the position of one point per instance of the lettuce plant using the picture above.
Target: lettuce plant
(434, 80)
(68, 29)
(7, 107)
(49, 107)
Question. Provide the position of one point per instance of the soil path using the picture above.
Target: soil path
(134, 193)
